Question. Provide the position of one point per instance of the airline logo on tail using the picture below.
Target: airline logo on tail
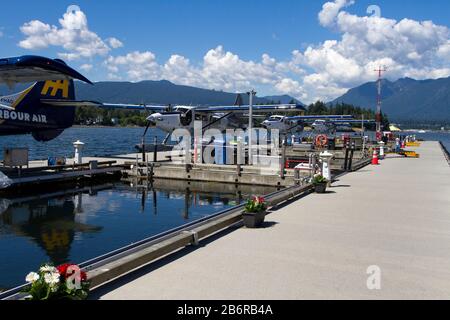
(10, 103)
(54, 86)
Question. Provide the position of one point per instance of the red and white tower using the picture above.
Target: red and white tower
(379, 102)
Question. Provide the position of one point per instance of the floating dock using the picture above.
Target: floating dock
(320, 247)
(39, 174)
(170, 165)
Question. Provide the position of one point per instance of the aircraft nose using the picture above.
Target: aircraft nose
(152, 120)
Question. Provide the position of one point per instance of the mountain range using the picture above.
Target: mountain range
(403, 100)
(164, 92)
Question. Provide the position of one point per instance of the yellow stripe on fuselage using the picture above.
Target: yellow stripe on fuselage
(22, 96)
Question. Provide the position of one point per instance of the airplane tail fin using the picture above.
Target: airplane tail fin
(32, 103)
(31, 99)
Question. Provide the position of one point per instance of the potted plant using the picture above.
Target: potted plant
(65, 282)
(320, 183)
(255, 212)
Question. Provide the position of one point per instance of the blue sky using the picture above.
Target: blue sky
(246, 29)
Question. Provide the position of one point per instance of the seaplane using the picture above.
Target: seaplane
(337, 125)
(213, 117)
(320, 124)
(47, 107)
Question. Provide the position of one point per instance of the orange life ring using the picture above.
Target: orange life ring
(321, 140)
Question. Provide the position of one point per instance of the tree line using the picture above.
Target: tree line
(98, 116)
(105, 117)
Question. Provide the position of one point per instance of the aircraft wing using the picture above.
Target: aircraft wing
(353, 121)
(142, 107)
(34, 68)
(73, 103)
(328, 117)
(256, 108)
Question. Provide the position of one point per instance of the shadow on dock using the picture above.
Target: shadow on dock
(96, 294)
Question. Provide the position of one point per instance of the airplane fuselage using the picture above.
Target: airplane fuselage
(283, 124)
(184, 118)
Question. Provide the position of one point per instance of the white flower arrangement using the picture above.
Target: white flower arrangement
(32, 277)
(49, 269)
(51, 283)
(51, 278)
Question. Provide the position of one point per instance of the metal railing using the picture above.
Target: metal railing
(446, 153)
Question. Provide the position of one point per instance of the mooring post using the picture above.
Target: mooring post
(283, 159)
(78, 145)
(297, 176)
(239, 169)
(152, 173)
(314, 163)
(155, 149)
(347, 150)
(352, 152)
(326, 165)
(382, 154)
(146, 164)
(143, 149)
(137, 164)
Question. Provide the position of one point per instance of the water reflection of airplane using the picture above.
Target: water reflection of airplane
(190, 198)
(47, 219)
(196, 193)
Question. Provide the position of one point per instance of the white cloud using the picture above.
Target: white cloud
(408, 48)
(73, 36)
(115, 43)
(292, 87)
(220, 69)
(330, 11)
(136, 65)
(86, 67)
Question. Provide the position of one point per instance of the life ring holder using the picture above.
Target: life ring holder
(321, 140)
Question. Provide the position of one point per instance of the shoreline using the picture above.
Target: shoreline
(135, 127)
(106, 127)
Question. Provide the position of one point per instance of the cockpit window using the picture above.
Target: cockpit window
(183, 110)
(275, 118)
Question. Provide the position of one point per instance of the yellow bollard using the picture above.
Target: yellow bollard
(413, 144)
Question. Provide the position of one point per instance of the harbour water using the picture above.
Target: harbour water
(443, 136)
(80, 224)
(113, 141)
(98, 141)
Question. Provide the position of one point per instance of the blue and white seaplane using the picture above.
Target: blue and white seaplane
(319, 124)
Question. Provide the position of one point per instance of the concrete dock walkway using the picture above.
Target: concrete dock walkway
(395, 216)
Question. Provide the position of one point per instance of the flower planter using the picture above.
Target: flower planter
(254, 220)
(320, 187)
